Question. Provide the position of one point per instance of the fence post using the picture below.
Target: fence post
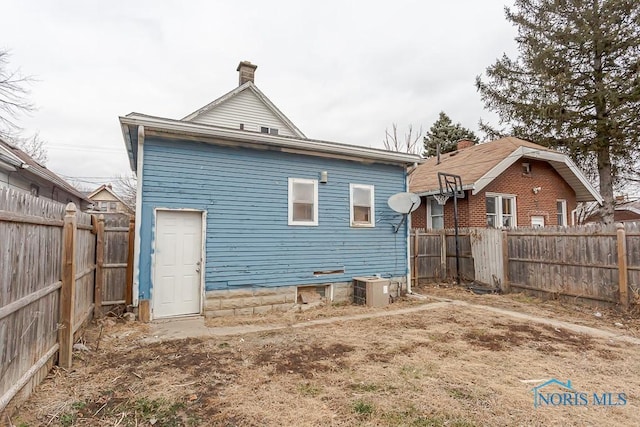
(415, 257)
(506, 286)
(128, 292)
(443, 255)
(622, 266)
(100, 243)
(68, 290)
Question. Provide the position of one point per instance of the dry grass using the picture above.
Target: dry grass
(453, 366)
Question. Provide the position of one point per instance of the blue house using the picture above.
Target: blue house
(237, 210)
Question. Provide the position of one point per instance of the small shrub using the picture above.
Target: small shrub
(309, 389)
(363, 408)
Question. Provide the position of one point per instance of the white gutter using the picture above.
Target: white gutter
(432, 192)
(136, 250)
(267, 140)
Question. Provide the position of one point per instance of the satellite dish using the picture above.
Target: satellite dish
(404, 203)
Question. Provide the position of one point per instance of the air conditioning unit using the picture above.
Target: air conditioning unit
(371, 291)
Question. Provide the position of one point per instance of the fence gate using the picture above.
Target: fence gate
(486, 249)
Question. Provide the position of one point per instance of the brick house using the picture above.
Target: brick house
(507, 182)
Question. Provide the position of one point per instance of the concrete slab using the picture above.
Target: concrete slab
(167, 330)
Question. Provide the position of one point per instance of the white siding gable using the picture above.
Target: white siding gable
(244, 108)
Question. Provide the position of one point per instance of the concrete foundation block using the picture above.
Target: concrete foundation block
(219, 313)
(273, 299)
(211, 304)
(239, 302)
(243, 311)
(239, 293)
(282, 307)
(262, 309)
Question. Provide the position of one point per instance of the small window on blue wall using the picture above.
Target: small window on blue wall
(362, 207)
(303, 201)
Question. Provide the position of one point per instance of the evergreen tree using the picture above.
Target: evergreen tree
(575, 84)
(445, 132)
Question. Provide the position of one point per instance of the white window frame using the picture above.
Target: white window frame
(372, 199)
(315, 201)
(565, 222)
(430, 200)
(500, 197)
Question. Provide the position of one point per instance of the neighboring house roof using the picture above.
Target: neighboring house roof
(24, 161)
(216, 135)
(628, 211)
(480, 164)
(630, 206)
(108, 189)
(201, 115)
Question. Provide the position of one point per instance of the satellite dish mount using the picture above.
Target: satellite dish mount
(403, 203)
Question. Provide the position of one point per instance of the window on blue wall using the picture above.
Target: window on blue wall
(362, 205)
(303, 201)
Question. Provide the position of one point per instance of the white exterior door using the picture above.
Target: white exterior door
(178, 258)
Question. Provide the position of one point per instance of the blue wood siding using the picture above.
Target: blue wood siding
(248, 239)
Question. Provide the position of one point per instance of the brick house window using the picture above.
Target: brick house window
(362, 205)
(562, 212)
(303, 201)
(435, 214)
(501, 210)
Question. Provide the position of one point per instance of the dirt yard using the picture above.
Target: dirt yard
(450, 366)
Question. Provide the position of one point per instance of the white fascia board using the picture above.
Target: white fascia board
(217, 102)
(532, 153)
(266, 101)
(504, 164)
(437, 191)
(127, 143)
(271, 106)
(179, 128)
(583, 180)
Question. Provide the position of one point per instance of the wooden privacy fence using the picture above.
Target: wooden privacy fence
(48, 275)
(114, 275)
(435, 257)
(592, 263)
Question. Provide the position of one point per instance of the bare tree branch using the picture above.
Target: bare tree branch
(34, 146)
(126, 187)
(13, 96)
(408, 144)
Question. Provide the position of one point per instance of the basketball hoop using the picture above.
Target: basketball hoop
(441, 198)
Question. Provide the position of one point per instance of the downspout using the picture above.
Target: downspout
(138, 224)
(408, 222)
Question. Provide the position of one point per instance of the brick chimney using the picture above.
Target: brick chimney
(246, 71)
(465, 143)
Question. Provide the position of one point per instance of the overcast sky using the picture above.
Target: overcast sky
(342, 71)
